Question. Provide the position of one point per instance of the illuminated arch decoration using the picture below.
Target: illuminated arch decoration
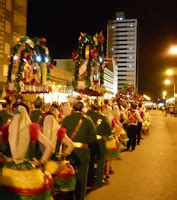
(29, 67)
(89, 65)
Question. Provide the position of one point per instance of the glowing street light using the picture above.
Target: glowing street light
(167, 82)
(169, 72)
(164, 93)
(173, 50)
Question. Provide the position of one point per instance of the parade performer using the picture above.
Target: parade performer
(133, 118)
(82, 131)
(112, 148)
(146, 123)
(103, 131)
(62, 171)
(21, 178)
(139, 126)
(5, 118)
(122, 135)
(36, 115)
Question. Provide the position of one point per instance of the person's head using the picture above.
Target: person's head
(95, 106)
(106, 102)
(78, 106)
(133, 106)
(20, 107)
(54, 109)
(66, 109)
(140, 105)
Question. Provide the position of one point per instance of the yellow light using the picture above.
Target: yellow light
(164, 93)
(146, 97)
(173, 50)
(53, 87)
(167, 82)
(169, 72)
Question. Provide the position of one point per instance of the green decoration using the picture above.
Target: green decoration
(88, 58)
(28, 51)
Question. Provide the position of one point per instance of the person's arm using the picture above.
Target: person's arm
(69, 145)
(125, 119)
(64, 139)
(47, 126)
(49, 149)
(138, 116)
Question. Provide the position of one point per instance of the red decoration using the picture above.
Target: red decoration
(34, 82)
(5, 134)
(70, 171)
(61, 133)
(74, 55)
(104, 65)
(94, 53)
(27, 56)
(34, 131)
(48, 181)
(42, 41)
(101, 38)
(26, 191)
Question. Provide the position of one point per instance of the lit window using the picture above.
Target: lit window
(5, 70)
(8, 26)
(7, 48)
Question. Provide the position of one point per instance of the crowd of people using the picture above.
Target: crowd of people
(61, 151)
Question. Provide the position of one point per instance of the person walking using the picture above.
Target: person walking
(103, 131)
(139, 126)
(81, 129)
(133, 118)
(57, 165)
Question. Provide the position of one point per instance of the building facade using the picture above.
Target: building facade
(13, 19)
(110, 76)
(122, 47)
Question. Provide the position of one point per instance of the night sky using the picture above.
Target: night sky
(61, 22)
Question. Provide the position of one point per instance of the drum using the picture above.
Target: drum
(63, 174)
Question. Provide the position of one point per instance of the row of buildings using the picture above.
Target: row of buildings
(121, 49)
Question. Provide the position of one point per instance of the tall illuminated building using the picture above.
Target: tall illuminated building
(122, 47)
(13, 19)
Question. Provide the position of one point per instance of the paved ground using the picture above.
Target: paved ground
(149, 172)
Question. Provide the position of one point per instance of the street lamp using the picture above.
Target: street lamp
(172, 72)
(168, 82)
(164, 94)
(173, 50)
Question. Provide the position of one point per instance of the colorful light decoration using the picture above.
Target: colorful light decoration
(27, 52)
(90, 53)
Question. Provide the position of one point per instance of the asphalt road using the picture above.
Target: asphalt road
(149, 172)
